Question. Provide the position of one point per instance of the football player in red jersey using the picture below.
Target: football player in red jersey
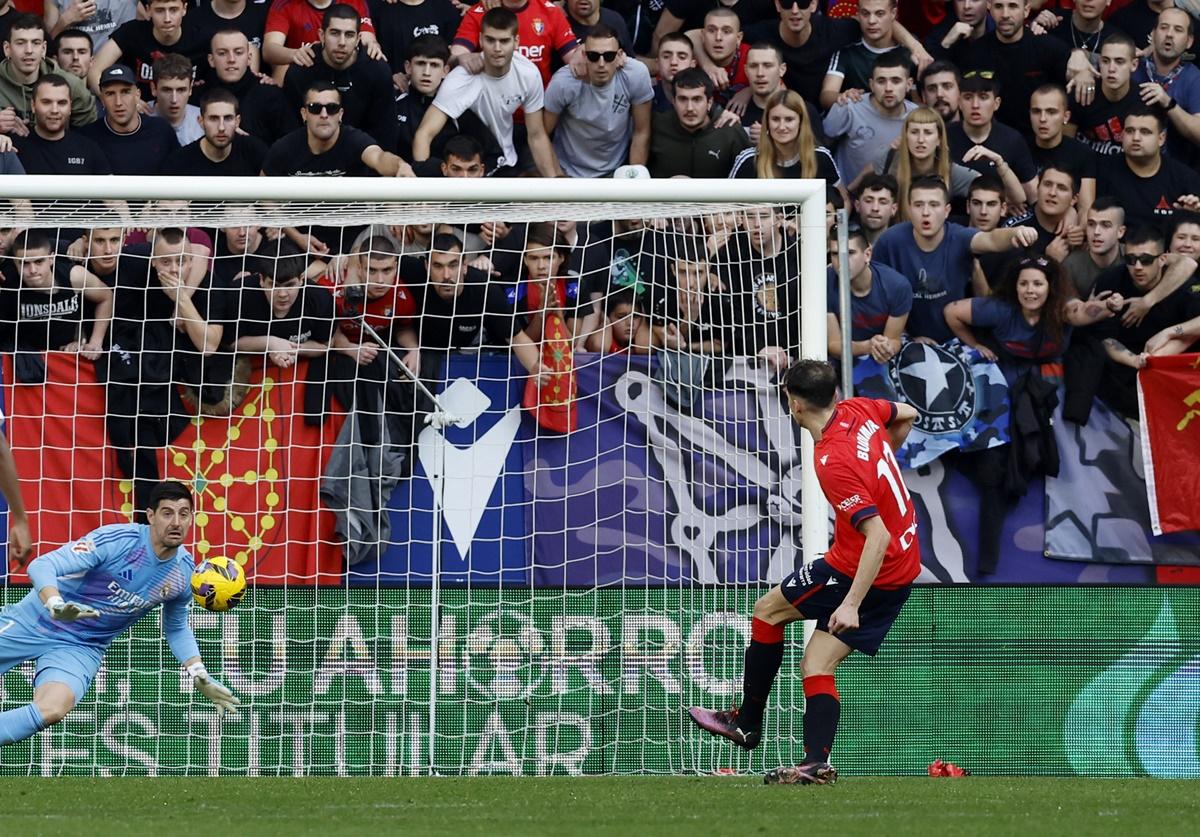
(855, 591)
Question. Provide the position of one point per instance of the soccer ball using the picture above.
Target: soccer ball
(218, 584)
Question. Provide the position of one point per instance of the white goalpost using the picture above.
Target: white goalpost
(442, 579)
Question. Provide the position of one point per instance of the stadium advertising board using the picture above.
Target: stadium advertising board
(1036, 680)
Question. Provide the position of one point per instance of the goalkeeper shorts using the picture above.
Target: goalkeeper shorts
(57, 661)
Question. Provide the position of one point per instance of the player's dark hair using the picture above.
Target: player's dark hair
(833, 197)
(622, 296)
(814, 381)
(874, 182)
(171, 235)
(545, 234)
(446, 243)
(677, 37)
(854, 232)
(1145, 234)
(942, 66)
(929, 181)
(26, 22)
(281, 262)
(499, 18)
(892, 60)
(219, 96)
(763, 46)
(321, 87)
(1105, 203)
(690, 78)
(1068, 172)
(171, 65)
(1155, 113)
(377, 247)
(168, 490)
(32, 240)
(1120, 39)
(988, 182)
(339, 11)
(1053, 87)
(52, 79)
(72, 33)
(462, 146)
(601, 32)
(428, 46)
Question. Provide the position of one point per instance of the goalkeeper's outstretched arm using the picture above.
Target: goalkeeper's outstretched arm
(183, 645)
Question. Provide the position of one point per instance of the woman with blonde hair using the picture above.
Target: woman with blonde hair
(923, 149)
(787, 146)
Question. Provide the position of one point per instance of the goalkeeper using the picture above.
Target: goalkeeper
(86, 594)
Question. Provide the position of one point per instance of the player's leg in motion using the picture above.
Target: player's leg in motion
(743, 725)
(51, 703)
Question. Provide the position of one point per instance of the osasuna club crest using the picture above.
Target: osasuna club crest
(938, 383)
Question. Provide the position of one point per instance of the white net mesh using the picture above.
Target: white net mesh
(578, 549)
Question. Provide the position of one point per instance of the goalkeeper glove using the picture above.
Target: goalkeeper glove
(221, 697)
(69, 611)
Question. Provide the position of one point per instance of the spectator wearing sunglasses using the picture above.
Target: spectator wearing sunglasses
(1152, 283)
(596, 119)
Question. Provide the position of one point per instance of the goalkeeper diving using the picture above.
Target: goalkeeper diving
(86, 594)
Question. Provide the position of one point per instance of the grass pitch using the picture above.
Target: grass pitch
(639, 807)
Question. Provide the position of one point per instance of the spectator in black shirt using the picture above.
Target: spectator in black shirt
(365, 84)
(584, 14)
(1101, 123)
(73, 52)
(138, 42)
(1138, 19)
(398, 24)
(134, 144)
(1057, 227)
(1082, 27)
(246, 16)
(50, 148)
(1149, 185)
(969, 22)
(451, 300)
(44, 309)
(265, 111)
(807, 40)
(280, 317)
(1049, 112)
(981, 142)
(221, 152)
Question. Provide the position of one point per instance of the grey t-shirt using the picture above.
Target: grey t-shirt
(860, 131)
(595, 124)
(960, 176)
(109, 15)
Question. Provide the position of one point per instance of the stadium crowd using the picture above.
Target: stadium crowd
(1020, 177)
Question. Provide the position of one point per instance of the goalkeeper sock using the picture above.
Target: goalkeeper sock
(822, 708)
(763, 659)
(20, 723)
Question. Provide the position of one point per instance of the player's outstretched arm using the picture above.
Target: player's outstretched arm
(44, 573)
(901, 425)
(183, 645)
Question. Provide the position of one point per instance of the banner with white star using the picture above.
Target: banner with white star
(961, 399)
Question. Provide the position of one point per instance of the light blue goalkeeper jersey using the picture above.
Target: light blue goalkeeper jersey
(113, 569)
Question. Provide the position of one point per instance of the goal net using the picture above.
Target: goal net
(506, 462)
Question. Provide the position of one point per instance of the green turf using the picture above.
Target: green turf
(639, 807)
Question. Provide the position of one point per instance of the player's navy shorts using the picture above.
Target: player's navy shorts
(817, 589)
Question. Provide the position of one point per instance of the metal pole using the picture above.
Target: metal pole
(843, 245)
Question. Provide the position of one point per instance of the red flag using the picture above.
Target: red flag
(553, 405)
(1169, 398)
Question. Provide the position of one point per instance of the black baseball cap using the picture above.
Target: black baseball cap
(118, 72)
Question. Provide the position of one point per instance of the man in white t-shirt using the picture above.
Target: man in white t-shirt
(508, 82)
(600, 121)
